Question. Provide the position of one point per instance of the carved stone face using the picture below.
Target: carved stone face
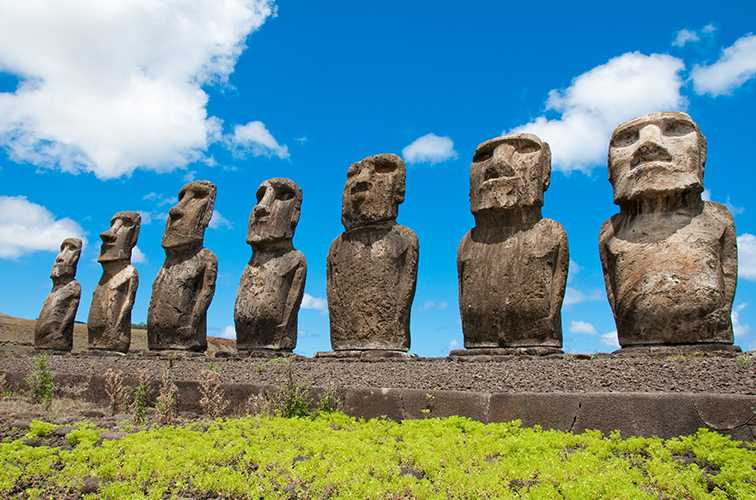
(67, 259)
(511, 171)
(656, 154)
(373, 191)
(119, 240)
(189, 218)
(276, 213)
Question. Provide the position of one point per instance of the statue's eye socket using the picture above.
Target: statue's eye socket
(385, 166)
(260, 194)
(351, 172)
(285, 194)
(526, 147)
(677, 128)
(483, 154)
(625, 138)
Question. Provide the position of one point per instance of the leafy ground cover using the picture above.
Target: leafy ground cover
(333, 455)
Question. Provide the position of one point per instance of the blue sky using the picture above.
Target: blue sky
(114, 107)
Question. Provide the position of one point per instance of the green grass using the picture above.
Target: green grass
(338, 456)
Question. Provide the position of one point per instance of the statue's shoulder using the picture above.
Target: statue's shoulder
(720, 213)
(607, 228)
(552, 228)
(405, 234)
(208, 256)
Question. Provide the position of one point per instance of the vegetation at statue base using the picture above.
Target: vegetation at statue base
(333, 455)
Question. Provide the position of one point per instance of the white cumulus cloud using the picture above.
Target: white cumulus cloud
(738, 328)
(109, 86)
(429, 148)
(582, 327)
(315, 303)
(254, 138)
(747, 256)
(229, 332)
(735, 66)
(627, 86)
(610, 339)
(26, 227)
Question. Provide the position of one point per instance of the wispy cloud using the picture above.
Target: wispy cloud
(314, 303)
(218, 221)
(573, 296)
(583, 327)
(255, 139)
(735, 66)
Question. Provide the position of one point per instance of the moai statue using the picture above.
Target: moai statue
(669, 258)
(184, 287)
(272, 284)
(54, 327)
(109, 323)
(512, 266)
(372, 266)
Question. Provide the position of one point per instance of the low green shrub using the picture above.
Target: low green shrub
(333, 455)
(40, 382)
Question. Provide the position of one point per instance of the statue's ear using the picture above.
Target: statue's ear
(546, 166)
(135, 232)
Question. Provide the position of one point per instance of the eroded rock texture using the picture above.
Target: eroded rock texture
(669, 258)
(512, 266)
(184, 287)
(54, 327)
(109, 322)
(372, 266)
(272, 284)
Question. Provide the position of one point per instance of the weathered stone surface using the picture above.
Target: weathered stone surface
(272, 284)
(184, 287)
(54, 326)
(109, 322)
(669, 258)
(372, 266)
(512, 266)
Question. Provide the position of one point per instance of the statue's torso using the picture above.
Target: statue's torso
(53, 330)
(108, 300)
(174, 296)
(371, 286)
(667, 287)
(261, 304)
(507, 288)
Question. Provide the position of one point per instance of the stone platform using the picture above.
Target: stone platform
(501, 353)
(367, 355)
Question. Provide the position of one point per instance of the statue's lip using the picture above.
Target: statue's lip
(650, 164)
(499, 180)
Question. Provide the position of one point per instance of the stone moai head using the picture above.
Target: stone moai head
(276, 214)
(188, 219)
(510, 171)
(373, 191)
(656, 154)
(67, 259)
(120, 238)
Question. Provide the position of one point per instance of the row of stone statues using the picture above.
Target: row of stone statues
(669, 258)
